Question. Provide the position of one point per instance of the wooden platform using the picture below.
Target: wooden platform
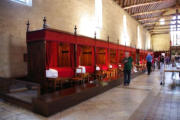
(52, 103)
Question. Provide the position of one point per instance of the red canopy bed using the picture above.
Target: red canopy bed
(50, 49)
(64, 52)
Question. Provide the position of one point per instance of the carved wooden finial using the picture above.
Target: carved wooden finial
(95, 35)
(75, 30)
(108, 38)
(28, 24)
(44, 23)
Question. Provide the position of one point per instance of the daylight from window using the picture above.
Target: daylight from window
(25, 2)
(175, 31)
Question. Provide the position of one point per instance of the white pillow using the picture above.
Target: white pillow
(81, 69)
(51, 73)
(110, 66)
(97, 68)
(78, 70)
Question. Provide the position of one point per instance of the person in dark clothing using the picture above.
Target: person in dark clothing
(149, 63)
(162, 59)
(127, 61)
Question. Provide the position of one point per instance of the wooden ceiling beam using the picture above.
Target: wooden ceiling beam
(144, 4)
(152, 18)
(154, 23)
(166, 20)
(165, 28)
(157, 28)
(159, 33)
(156, 11)
(151, 28)
(150, 12)
(164, 25)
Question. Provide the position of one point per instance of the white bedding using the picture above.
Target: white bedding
(51, 73)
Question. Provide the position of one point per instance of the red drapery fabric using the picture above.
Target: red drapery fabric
(51, 54)
(78, 55)
(116, 65)
(116, 58)
(52, 59)
(104, 66)
(72, 55)
(89, 69)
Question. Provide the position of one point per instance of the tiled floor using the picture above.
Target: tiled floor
(144, 99)
(167, 103)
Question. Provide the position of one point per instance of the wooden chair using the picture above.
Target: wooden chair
(113, 73)
(57, 82)
(81, 77)
(78, 78)
(99, 75)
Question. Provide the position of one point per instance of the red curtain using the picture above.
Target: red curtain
(72, 55)
(52, 59)
(104, 66)
(93, 62)
(51, 54)
(89, 69)
(78, 55)
(93, 59)
(117, 59)
(107, 58)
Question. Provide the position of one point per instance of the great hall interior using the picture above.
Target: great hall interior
(89, 59)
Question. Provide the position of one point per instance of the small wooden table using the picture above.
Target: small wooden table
(57, 81)
(168, 70)
(99, 75)
(81, 77)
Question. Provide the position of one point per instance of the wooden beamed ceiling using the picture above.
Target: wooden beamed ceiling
(149, 12)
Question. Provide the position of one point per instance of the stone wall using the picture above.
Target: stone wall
(63, 15)
(161, 42)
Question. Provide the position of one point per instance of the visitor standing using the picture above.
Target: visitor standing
(127, 61)
(149, 63)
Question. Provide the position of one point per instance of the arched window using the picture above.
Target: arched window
(25, 2)
(125, 39)
(175, 32)
(138, 37)
(98, 13)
